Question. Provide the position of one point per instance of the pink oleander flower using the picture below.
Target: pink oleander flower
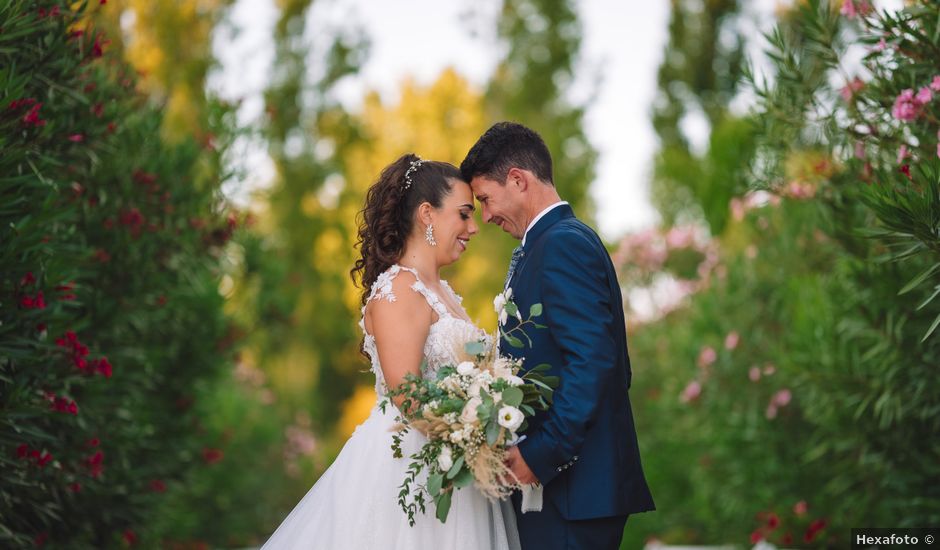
(935, 84)
(800, 508)
(769, 369)
(800, 191)
(851, 88)
(731, 340)
(860, 150)
(854, 8)
(907, 106)
(924, 95)
(782, 398)
(691, 392)
(680, 237)
(737, 209)
(707, 356)
(754, 374)
(903, 153)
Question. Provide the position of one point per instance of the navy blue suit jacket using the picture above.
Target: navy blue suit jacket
(584, 448)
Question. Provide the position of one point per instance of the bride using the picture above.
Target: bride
(417, 218)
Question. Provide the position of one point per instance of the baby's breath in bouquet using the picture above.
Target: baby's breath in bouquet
(471, 413)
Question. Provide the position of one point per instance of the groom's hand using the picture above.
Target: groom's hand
(516, 463)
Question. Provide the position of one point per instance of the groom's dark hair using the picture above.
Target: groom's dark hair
(506, 145)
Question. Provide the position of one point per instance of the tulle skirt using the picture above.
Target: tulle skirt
(354, 504)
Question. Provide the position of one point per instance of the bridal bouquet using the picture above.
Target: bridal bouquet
(471, 413)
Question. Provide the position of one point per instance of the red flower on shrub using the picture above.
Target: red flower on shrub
(41, 539)
(95, 464)
(27, 279)
(157, 486)
(102, 255)
(29, 302)
(787, 539)
(145, 178)
(97, 109)
(906, 170)
(773, 521)
(44, 458)
(814, 528)
(103, 366)
(76, 138)
(93, 442)
(211, 456)
(130, 537)
(75, 487)
(64, 405)
(97, 49)
(757, 536)
(22, 451)
(133, 220)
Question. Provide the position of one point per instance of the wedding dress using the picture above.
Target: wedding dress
(354, 504)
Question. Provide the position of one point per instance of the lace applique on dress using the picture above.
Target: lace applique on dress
(445, 339)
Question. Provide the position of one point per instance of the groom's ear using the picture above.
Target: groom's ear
(517, 177)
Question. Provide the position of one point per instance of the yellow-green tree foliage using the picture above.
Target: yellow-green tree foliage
(169, 42)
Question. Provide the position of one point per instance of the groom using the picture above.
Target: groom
(583, 450)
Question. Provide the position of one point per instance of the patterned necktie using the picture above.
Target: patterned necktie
(516, 255)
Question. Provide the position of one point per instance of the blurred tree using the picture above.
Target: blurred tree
(169, 42)
(293, 269)
(698, 78)
(532, 85)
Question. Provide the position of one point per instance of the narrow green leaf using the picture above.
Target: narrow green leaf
(919, 279)
(933, 327)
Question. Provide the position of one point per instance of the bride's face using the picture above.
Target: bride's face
(454, 223)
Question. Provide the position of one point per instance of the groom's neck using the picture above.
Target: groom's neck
(542, 196)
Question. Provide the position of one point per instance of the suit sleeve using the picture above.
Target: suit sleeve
(577, 310)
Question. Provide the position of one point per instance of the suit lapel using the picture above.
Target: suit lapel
(556, 215)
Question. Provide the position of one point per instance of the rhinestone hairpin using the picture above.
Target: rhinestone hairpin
(413, 165)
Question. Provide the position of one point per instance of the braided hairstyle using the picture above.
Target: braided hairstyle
(388, 217)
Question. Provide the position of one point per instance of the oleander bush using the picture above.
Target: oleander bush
(111, 321)
(786, 392)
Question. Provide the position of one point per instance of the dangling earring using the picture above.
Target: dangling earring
(429, 235)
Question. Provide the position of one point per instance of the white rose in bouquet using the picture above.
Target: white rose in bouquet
(469, 413)
(499, 302)
(502, 367)
(466, 368)
(510, 418)
(514, 380)
(445, 460)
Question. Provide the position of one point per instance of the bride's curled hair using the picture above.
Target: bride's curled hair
(387, 218)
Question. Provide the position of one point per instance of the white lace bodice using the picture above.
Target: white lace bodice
(447, 335)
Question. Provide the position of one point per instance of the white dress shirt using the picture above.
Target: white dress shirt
(539, 217)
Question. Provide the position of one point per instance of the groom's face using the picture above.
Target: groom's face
(500, 204)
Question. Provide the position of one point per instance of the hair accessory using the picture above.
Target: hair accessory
(411, 168)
